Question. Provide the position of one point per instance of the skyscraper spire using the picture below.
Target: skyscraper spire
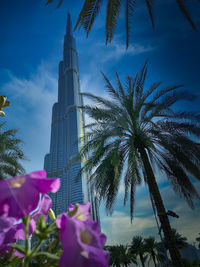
(66, 128)
(69, 25)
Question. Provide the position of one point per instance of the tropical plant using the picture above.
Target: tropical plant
(138, 248)
(91, 9)
(150, 246)
(198, 240)
(10, 153)
(120, 256)
(135, 130)
(181, 241)
(162, 254)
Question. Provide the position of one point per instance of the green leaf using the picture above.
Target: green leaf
(18, 247)
(15, 261)
(47, 255)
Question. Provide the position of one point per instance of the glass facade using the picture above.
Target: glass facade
(66, 128)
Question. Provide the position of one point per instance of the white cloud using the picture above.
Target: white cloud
(119, 229)
(117, 50)
(30, 111)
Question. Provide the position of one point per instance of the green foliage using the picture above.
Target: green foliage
(135, 131)
(45, 247)
(135, 119)
(10, 153)
(180, 240)
(139, 249)
(91, 9)
(151, 247)
(198, 240)
(120, 256)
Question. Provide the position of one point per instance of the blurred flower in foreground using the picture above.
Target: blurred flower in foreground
(3, 103)
(20, 195)
(44, 206)
(80, 211)
(7, 234)
(82, 243)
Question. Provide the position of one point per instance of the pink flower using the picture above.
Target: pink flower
(82, 242)
(20, 195)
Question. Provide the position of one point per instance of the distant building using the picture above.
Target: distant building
(66, 128)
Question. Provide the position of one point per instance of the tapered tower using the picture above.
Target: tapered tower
(66, 128)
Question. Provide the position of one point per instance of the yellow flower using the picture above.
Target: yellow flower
(3, 103)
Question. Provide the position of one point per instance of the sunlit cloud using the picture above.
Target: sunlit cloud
(119, 229)
(30, 111)
(116, 50)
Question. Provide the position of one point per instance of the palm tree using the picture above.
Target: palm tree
(120, 256)
(138, 129)
(181, 241)
(91, 9)
(150, 245)
(198, 240)
(138, 248)
(10, 153)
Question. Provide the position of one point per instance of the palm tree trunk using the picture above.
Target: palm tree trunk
(142, 260)
(153, 188)
(154, 258)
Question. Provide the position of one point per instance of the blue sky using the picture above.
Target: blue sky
(30, 50)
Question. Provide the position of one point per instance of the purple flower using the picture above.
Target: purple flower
(7, 234)
(82, 243)
(80, 211)
(20, 195)
(20, 229)
(44, 206)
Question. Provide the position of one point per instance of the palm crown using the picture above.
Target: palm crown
(132, 122)
(120, 256)
(10, 153)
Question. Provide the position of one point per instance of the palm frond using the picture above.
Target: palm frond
(88, 14)
(151, 89)
(167, 101)
(107, 178)
(101, 100)
(164, 91)
(129, 12)
(185, 12)
(120, 87)
(178, 177)
(140, 83)
(60, 3)
(110, 88)
(149, 4)
(113, 9)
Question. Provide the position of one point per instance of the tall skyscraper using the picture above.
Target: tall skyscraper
(66, 128)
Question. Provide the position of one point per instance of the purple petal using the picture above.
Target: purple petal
(20, 195)
(44, 206)
(67, 237)
(20, 230)
(84, 241)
